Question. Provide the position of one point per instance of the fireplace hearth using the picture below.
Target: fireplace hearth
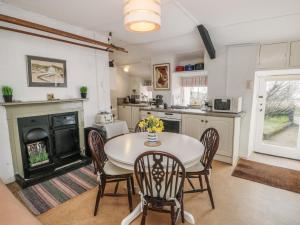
(49, 146)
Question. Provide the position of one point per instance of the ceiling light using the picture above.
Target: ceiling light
(126, 69)
(142, 15)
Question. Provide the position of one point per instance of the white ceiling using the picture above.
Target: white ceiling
(228, 21)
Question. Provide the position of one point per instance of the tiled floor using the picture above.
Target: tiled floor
(238, 202)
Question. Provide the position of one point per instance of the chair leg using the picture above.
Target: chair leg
(200, 181)
(209, 192)
(190, 182)
(132, 184)
(173, 215)
(116, 188)
(182, 209)
(103, 187)
(145, 208)
(97, 200)
(129, 193)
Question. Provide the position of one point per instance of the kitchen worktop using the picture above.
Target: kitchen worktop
(192, 111)
(134, 105)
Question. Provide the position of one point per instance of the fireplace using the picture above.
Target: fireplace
(48, 143)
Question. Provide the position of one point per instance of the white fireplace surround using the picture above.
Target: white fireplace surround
(38, 108)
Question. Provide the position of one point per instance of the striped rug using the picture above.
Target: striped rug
(41, 197)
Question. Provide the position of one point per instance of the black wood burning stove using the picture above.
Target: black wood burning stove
(50, 145)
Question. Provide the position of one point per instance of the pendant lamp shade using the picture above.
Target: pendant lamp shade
(142, 15)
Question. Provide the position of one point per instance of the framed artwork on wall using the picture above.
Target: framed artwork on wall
(46, 72)
(161, 77)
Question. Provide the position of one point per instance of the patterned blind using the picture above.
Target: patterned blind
(198, 81)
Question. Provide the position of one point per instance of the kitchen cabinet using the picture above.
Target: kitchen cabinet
(273, 56)
(124, 113)
(135, 116)
(130, 114)
(228, 129)
(193, 125)
(295, 54)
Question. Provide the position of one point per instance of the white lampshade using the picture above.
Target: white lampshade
(142, 15)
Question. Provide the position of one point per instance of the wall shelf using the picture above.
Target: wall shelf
(41, 102)
(192, 73)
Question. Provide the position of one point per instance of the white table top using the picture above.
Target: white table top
(123, 150)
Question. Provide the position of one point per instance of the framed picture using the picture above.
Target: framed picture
(46, 72)
(161, 76)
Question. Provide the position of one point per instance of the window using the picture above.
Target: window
(194, 91)
(195, 95)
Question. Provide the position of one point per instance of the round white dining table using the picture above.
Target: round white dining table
(123, 150)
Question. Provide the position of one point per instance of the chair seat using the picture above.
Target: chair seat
(196, 168)
(113, 170)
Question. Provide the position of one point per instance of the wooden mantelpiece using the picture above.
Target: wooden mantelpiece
(7, 104)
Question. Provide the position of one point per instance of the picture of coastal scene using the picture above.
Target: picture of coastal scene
(46, 72)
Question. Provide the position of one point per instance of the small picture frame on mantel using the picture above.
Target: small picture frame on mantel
(46, 72)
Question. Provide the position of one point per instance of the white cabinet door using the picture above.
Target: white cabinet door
(193, 125)
(295, 54)
(135, 116)
(273, 56)
(225, 127)
(125, 114)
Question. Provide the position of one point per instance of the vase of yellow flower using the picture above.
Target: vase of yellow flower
(153, 126)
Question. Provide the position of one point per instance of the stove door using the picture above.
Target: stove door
(173, 126)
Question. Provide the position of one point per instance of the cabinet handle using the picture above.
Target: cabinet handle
(202, 121)
(148, 113)
(206, 121)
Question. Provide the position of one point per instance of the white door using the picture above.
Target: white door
(278, 116)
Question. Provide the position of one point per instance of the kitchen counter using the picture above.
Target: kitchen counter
(134, 105)
(193, 112)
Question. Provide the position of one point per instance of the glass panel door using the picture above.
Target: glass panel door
(278, 116)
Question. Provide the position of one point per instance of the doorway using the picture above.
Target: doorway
(278, 114)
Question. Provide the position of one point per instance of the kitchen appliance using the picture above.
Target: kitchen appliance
(104, 117)
(172, 121)
(134, 99)
(159, 100)
(224, 104)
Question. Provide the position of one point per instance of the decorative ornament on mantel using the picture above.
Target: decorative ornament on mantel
(153, 126)
(142, 15)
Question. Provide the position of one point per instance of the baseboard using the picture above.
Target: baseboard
(9, 180)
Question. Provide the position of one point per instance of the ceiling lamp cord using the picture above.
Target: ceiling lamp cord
(142, 15)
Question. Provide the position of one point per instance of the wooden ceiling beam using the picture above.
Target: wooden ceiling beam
(28, 24)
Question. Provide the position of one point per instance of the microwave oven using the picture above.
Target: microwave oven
(230, 105)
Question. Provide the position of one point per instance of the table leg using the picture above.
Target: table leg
(138, 210)
(133, 215)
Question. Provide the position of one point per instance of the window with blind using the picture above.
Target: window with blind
(194, 90)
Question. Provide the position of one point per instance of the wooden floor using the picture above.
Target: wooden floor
(238, 202)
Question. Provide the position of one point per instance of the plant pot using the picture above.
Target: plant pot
(83, 95)
(7, 98)
(152, 137)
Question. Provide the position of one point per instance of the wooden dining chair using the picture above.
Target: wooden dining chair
(107, 171)
(210, 140)
(138, 129)
(161, 185)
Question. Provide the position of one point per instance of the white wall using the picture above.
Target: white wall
(84, 67)
(167, 95)
(228, 75)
